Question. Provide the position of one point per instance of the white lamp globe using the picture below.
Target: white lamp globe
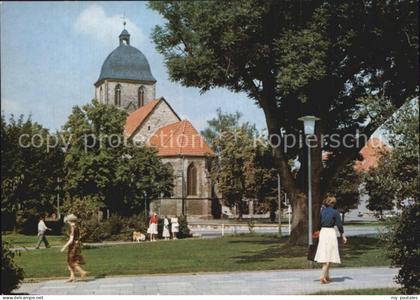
(309, 124)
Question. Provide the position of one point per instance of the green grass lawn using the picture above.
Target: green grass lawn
(383, 291)
(233, 253)
(21, 240)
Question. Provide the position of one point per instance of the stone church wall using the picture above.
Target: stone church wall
(161, 116)
(195, 206)
(129, 93)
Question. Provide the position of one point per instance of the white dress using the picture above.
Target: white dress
(175, 225)
(153, 228)
(327, 250)
(166, 232)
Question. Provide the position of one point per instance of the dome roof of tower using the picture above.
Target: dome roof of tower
(126, 62)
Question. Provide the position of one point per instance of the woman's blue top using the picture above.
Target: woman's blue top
(330, 217)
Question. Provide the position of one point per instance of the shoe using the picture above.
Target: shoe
(328, 279)
(48, 246)
(70, 280)
(84, 275)
(323, 281)
(36, 248)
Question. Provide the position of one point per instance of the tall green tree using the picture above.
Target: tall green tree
(242, 167)
(397, 176)
(345, 188)
(221, 123)
(332, 59)
(379, 188)
(29, 167)
(101, 163)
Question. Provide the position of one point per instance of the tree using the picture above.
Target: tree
(332, 59)
(29, 167)
(101, 163)
(241, 169)
(380, 189)
(11, 274)
(220, 124)
(345, 188)
(398, 173)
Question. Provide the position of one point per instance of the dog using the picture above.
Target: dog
(138, 236)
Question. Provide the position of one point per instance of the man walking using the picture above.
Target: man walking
(42, 228)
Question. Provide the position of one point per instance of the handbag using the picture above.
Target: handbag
(312, 248)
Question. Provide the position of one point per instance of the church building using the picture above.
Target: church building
(126, 81)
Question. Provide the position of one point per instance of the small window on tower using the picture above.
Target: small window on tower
(148, 127)
(140, 97)
(117, 95)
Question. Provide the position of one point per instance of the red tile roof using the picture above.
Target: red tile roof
(178, 139)
(371, 153)
(136, 118)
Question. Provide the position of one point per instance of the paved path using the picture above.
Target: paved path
(349, 230)
(248, 283)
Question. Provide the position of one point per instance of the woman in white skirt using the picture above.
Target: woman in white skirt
(175, 227)
(153, 227)
(327, 251)
(166, 234)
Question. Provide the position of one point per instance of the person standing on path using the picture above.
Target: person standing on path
(175, 227)
(166, 234)
(327, 251)
(42, 230)
(74, 253)
(153, 227)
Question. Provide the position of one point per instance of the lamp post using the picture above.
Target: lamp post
(145, 205)
(279, 200)
(309, 129)
(58, 197)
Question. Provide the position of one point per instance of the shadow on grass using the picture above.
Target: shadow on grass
(358, 246)
(279, 248)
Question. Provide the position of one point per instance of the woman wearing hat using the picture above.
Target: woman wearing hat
(74, 257)
(327, 251)
(153, 227)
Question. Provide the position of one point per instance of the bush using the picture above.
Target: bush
(404, 245)
(86, 209)
(119, 228)
(184, 231)
(136, 223)
(115, 228)
(11, 274)
(27, 221)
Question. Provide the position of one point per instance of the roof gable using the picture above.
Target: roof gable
(139, 116)
(180, 139)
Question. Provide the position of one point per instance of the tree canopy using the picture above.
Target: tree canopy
(240, 169)
(101, 163)
(333, 59)
(29, 169)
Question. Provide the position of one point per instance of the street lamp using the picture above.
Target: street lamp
(309, 130)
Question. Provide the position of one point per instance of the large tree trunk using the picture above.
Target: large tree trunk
(317, 168)
(296, 195)
(240, 210)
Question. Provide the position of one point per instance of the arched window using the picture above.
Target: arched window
(101, 98)
(192, 180)
(140, 97)
(118, 95)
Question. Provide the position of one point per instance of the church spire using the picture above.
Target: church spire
(124, 35)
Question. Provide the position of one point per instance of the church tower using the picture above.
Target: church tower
(126, 80)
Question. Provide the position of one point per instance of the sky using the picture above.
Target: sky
(52, 53)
